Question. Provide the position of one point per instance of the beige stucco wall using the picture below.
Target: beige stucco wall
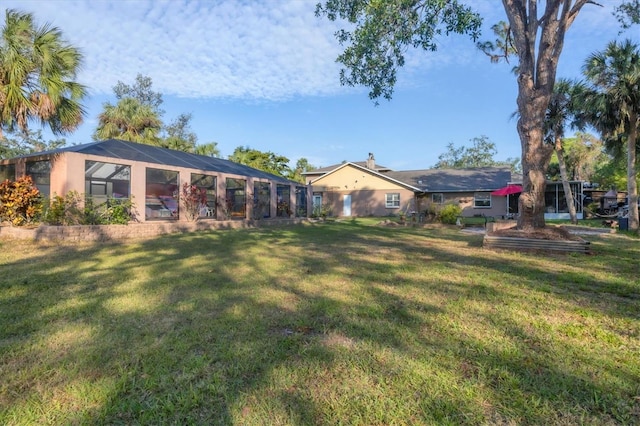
(352, 178)
(367, 191)
(68, 174)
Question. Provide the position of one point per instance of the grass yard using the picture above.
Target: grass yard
(331, 323)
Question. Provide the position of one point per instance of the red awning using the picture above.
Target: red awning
(508, 190)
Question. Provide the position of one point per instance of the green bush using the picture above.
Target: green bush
(68, 211)
(118, 211)
(321, 211)
(64, 210)
(449, 214)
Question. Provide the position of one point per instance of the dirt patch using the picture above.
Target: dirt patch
(546, 233)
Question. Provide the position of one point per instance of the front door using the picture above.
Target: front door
(346, 206)
(317, 202)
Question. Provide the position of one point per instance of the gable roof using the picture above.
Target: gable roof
(384, 176)
(115, 148)
(455, 180)
(324, 170)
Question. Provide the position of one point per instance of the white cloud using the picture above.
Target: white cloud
(271, 49)
(236, 49)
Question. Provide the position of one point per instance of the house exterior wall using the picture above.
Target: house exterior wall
(368, 193)
(366, 202)
(465, 200)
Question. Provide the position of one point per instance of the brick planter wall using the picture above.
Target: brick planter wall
(500, 224)
(532, 244)
(131, 231)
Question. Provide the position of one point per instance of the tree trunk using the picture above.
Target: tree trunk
(632, 186)
(535, 156)
(565, 182)
(536, 77)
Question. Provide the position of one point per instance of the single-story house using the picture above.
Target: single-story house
(368, 189)
(154, 177)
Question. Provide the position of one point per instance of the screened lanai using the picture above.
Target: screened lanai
(154, 179)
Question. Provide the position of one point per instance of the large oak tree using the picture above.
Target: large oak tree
(382, 30)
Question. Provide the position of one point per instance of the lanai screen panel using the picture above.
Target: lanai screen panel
(301, 201)
(284, 197)
(162, 192)
(262, 200)
(236, 198)
(107, 180)
(7, 172)
(40, 172)
(208, 184)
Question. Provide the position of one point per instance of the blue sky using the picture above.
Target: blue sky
(262, 73)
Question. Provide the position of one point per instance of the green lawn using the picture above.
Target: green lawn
(329, 323)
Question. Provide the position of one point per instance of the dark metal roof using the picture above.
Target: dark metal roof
(455, 180)
(114, 148)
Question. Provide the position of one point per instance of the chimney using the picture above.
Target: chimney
(371, 162)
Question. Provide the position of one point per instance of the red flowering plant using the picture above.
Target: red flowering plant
(194, 200)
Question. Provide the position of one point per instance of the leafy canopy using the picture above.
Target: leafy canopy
(383, 30)
(265, 161)
(137, 117)
(480, 154)
(21, 143)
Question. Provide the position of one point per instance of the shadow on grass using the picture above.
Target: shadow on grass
(306, 325)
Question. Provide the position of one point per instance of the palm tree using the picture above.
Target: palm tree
(37, 73)
(614, 76)
(129, 120)
(209, 149)
(559, 112)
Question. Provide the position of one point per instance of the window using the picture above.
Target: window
(317, 201)
(105, 180)
(392, 201)
(236, 198)
(7, 171)
(261, 200)
(317, 205)
(482, 199)
(208, 184)
(301, 201)
(437, 198)
(284, 200)
(40, 172)
(161, 201)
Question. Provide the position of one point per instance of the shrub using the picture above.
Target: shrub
(449, 214)
(194, 199)
(69, 210)
(114, 211)
(431, 212)
(64, 210)
(323, 211)
(283, 208)
(118, 211)
(226, 206)
(20, 201)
